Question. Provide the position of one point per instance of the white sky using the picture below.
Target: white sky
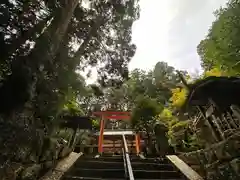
(170, 30)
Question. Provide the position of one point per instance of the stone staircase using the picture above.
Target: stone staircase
(151, 168)
(109, 167)
(90, 168)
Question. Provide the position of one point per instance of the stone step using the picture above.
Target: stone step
(99, 164)
(110, 159)
(159, 179)
(91, 178)
(110, 156)
(156, 166)
(111, 167)
(149, 160)
(96, 164)
(156, 174)
(153, 168)
(97, 173)
(88, 178)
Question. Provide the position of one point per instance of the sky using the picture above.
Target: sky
(170, 30)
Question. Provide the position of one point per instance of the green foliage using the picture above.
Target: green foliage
(221, 46)
(154, 84)
(215, 72)
(166, 117)
(96, 124)
(148, 96)
(65, 134)
(144, 113)
(166, 114)
(182, 138)
(179, 96)
(72, 109)
(176, 133)
(61, 39)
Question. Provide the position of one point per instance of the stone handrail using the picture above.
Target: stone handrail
(127, 158)
(184, 168)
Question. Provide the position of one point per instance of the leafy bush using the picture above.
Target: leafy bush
(182, 138)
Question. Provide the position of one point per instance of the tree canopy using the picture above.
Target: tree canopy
(221, 46)
(44, 47)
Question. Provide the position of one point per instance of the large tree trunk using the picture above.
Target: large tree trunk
(45, 51)
(48, 44)
(60, 25)
(32, 34)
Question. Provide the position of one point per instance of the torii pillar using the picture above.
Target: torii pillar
(137, 140)
(100, 138)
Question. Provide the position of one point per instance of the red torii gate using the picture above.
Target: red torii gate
(117, 115)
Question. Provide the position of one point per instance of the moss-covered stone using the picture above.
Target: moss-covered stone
(220, 161)
(235, 164)
(190, 158)
(226, 172)
(211, 175)
(31, 173)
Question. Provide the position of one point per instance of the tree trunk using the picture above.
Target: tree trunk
(47, 46)
(48, 43)
(32, 33)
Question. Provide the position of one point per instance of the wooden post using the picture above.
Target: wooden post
(236, 111)
(139, 143)
(233, 123)
(100, 138)
(229, 124)
(210, 124)
(217, 123)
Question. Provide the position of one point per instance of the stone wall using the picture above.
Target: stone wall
(220, 161)
(33, 170)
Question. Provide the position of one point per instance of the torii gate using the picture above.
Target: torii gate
(117, 115)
